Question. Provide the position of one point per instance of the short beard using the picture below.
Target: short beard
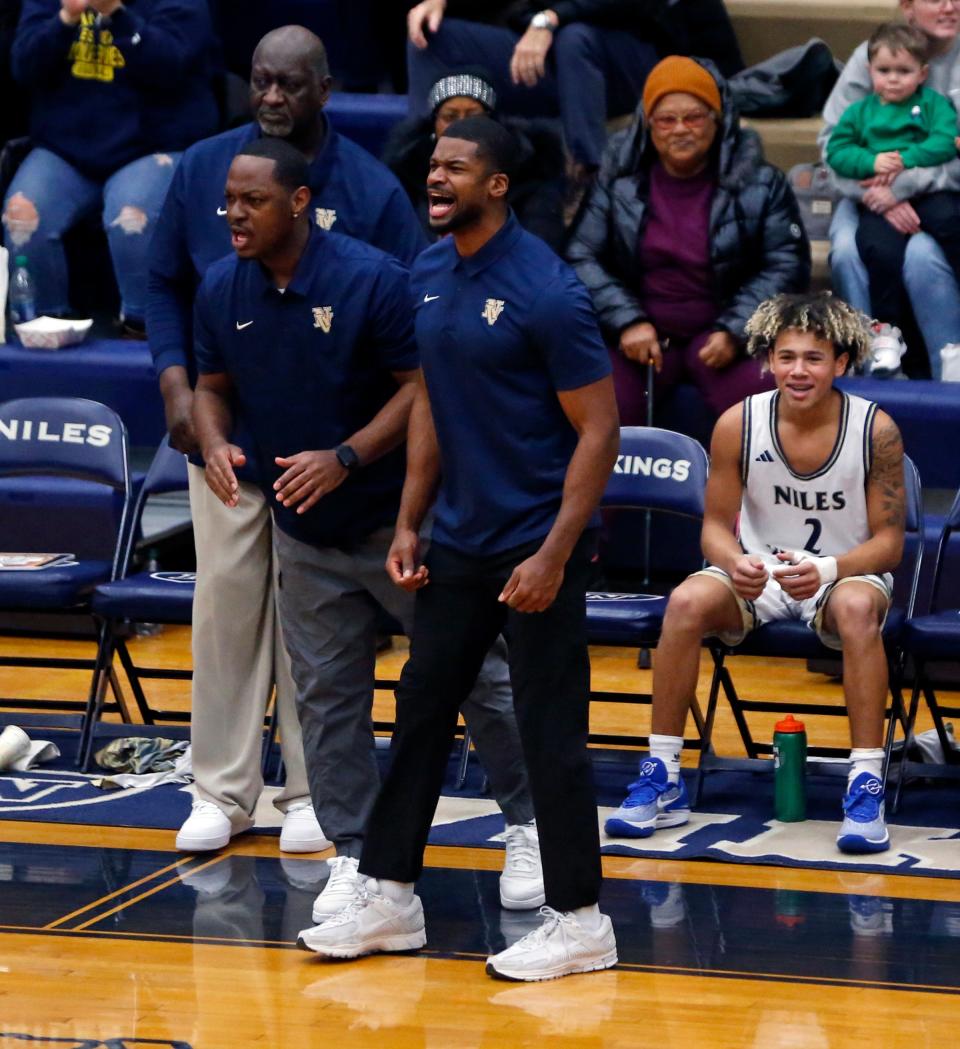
(276, 129)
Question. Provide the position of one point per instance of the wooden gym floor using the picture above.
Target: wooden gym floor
(109, 938)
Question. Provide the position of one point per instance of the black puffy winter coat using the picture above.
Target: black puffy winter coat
(757, 242)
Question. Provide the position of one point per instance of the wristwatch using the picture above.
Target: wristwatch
(541, 20)
(347, 457)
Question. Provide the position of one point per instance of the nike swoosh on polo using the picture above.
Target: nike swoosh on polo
(221, 211)
(430, 298)
(240, 326)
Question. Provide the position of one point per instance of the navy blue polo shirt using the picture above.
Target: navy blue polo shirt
(500, 334)
(352, 193)
(311, 366)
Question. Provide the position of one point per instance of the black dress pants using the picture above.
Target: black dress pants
(457, 618)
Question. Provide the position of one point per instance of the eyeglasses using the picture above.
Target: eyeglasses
(668, 121)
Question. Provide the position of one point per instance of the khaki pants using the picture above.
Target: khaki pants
(238, 655)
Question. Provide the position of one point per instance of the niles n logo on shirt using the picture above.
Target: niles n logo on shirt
(323, 318)
(97, 435)
(325, 217)
(492, 309)
(675, 470)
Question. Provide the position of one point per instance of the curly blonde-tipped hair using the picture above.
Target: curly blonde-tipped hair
(828, 318)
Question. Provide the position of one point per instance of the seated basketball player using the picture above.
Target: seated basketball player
(804, 520)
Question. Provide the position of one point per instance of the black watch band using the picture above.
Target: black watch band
(347, 457)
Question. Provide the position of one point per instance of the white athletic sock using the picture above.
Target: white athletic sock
(668, 750)
(397, 891)
(865, 759)
(589, 917)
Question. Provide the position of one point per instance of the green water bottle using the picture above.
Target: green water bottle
(790, 770)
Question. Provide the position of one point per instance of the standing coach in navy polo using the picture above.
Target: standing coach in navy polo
(237, 648)
(311, 335)
(514, 430)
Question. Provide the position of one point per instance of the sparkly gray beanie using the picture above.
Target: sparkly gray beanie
(466, 84)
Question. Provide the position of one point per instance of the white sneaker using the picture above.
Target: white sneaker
(211, 881)
(308, 875)
(300, 831)
(886, 349)
(521, 884)
(369, 924)
(14, 746)
(560, 947)
(343, 886)
(205, 829)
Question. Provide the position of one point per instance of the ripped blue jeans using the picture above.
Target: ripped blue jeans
(48, 196)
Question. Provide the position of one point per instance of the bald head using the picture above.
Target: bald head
(294, 43)
(290, 85)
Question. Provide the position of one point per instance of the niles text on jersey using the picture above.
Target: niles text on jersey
(785, 495)
(96, 435)
(674, 469)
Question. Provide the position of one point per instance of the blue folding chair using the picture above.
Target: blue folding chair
(656, 471)
(65, 488)
(793, 639)
(143, 597)
(927, 640)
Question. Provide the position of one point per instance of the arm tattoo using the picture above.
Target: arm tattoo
(886, 473)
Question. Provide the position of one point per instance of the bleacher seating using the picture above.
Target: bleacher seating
(114, 372)
(764, 27)
(367, 119)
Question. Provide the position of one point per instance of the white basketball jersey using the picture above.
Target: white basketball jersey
(824, 512)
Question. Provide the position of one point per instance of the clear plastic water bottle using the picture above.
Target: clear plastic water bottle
(21, 298)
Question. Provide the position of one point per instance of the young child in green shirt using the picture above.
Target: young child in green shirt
(901, 125)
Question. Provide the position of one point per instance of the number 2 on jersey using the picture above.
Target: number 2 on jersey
(815, 529)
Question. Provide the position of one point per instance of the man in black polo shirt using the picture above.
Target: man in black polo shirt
(312, 334)
(514, 429)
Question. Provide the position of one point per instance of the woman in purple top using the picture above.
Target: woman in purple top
(686, 232)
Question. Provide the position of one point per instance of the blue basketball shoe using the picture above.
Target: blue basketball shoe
(653, 802)
(864, 828)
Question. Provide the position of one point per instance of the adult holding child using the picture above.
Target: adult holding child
(927, 276)
(900, 126)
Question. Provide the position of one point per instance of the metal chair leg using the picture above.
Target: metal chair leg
(908, 737)
(464, 760)
(95, 695)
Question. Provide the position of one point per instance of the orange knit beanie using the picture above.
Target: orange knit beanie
(676, 73)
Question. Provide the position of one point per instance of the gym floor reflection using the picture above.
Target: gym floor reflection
(702, 929)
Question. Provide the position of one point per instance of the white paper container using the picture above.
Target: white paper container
(51, 333)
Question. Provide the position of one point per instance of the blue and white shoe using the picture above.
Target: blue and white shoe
(653, 802)
(864, 828)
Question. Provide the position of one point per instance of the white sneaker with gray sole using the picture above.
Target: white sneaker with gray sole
(561, 946)
(370, 924)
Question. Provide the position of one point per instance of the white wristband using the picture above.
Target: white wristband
(826, 566)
